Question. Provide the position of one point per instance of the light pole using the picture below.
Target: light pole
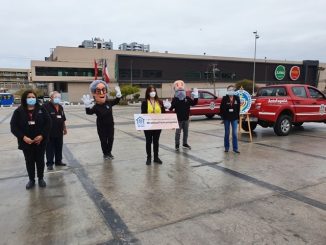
(254, 74)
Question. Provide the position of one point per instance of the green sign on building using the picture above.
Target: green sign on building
(280, 72)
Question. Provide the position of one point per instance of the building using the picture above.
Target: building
(97, 43)
(12, 79)
(134, 47)
(70, 70)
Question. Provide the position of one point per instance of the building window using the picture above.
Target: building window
(152, 73)
(65, 71)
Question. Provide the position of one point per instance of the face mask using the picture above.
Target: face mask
(180, 94)
(230, 92)
(152, 94)
(56, 100)
(31, 101)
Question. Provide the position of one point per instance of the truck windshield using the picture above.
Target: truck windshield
(272, 91)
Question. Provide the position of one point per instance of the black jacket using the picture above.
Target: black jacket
(230, 111)
(182, 107)
(20, 127)
(144, 107)
(58, 119)
(103, 112)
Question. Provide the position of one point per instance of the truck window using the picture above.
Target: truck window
(315, 94)
(204, 95)
(299, 91)
(272, 91)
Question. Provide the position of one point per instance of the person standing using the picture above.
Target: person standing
(152, 105)
(230, 113)
(58, 129)
(31, 124)
(103, 111)
(181, 105)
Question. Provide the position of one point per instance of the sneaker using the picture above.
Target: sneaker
(50, 167)
(30, 184)
(236, 151)
(226, 150)
(148, 161)
(60, 164)
(186, 146)
(157, 160)
(41, 183)
(110, 156)
(177, 147)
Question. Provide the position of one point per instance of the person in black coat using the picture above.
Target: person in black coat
(152, 104)
(58, 129)
(103, 111)
(31, 124)
(181, 105)
(230, 113)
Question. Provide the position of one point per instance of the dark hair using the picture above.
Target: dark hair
(24, 97)
(230, 86)
(148, 90)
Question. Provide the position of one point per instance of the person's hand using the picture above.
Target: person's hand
(38, 139)
(167, 104)
(64, 131)
(194, 93)
(28, 140)
(117, 92)
(88, 101)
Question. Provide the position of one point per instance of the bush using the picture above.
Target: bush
(246, 85)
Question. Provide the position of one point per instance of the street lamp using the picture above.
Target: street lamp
(254, 74)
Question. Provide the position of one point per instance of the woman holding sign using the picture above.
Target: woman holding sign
(152, 104)
(230, 113)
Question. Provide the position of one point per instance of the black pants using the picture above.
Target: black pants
(54, 150)
(35, 155)
(106, 135)
(152, 136)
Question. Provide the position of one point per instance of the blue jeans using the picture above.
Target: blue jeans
(234, 124)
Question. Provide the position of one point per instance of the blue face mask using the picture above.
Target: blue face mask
(31, 101)
(180, 94)
(56, 100)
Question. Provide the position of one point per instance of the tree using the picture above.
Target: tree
(246, 85)
(127, 90)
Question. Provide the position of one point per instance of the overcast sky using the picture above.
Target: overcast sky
(288, 29)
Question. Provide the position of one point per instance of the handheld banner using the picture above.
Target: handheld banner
(156, 121)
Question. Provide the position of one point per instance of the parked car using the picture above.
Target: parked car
(64, 102)
(208, 104)
(287, 105)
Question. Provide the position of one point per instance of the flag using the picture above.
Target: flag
(95, 70)
(106, 73)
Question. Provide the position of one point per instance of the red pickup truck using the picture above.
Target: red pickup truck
(287, 105)
(208, 104)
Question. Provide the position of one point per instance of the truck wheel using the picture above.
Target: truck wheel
(253, 125)
(210, 115)
(298, 124)
(283, 125)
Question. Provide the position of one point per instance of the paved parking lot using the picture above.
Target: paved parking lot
(274, 192)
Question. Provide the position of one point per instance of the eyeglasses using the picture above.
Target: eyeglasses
(100, 91)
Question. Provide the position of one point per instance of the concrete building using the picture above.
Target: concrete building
(134, 47)
(12, 79)
(70, 70)
(97, 43)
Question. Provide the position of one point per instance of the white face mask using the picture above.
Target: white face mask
(152, 94)
(230, 92)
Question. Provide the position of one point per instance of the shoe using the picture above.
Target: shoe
(50, 167)
(110, 156)
(30, 184)
(226, 150)
(60, 164)
(41, 183)
(177, 147)
(186, 146)
(148, 161)
(236, 151)
(157, 160)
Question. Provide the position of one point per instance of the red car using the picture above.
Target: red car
(208, 104)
